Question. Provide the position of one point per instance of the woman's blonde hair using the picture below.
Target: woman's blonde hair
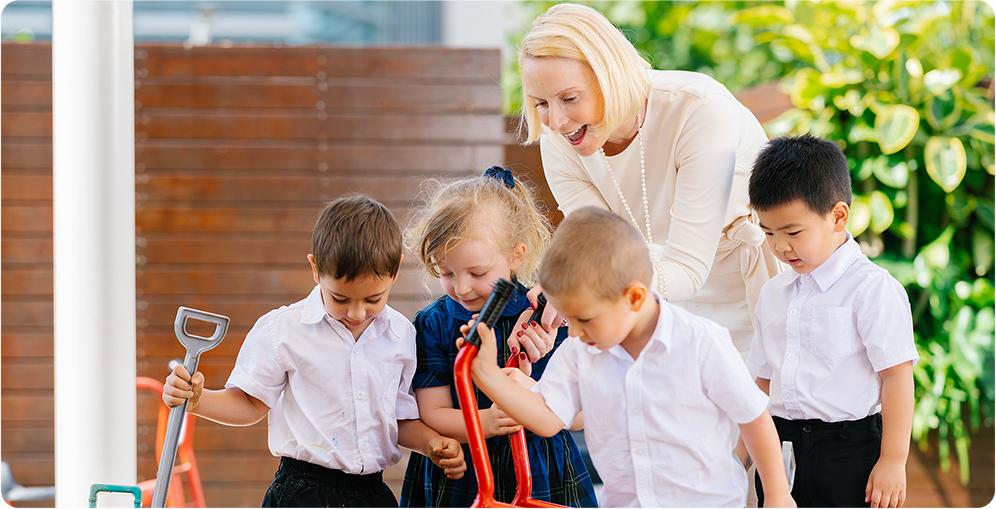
(481, 208)
(583, 34)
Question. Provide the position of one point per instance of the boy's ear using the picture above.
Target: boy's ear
(840, 213)
(635, 294)
(398, 273)
(314, 268)
(518, 256)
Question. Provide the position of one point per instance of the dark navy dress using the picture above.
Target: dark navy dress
(558, 470)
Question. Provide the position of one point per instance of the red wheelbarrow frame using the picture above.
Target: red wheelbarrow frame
(478, 448)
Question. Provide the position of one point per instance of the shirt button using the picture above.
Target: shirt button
(361, 395)
(793, 312)
(789, 357)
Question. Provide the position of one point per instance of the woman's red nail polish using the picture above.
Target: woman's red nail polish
(522, 356)
(518, 334)
(524, 325)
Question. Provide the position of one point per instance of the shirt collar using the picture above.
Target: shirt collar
(314, 311)
(518, 302)
(314, 308)
(834, 267)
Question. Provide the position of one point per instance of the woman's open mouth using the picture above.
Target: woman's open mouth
(575, 137)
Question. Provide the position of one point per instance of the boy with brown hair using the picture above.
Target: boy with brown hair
(333, 372)
(663, 391)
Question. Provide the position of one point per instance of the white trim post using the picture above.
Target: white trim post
(93, 158)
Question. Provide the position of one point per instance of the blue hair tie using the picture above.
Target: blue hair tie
(503, 175)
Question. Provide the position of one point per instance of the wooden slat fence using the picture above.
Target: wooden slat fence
(237, 149)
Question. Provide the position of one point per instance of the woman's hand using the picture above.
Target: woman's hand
(530, 341)
(551, 319)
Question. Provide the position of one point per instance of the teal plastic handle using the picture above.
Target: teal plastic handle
(115, 488)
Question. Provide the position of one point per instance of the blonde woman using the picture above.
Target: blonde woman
(670, 151)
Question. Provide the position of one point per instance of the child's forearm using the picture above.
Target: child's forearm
(897, 411)
(764, 384)
(415, 435)
(762, 442)
(523, 405)
(231, 407)
(449, 422)
(578, 423)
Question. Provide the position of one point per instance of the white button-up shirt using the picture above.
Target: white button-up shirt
(822, 338)
(660, 429)
(334, 400)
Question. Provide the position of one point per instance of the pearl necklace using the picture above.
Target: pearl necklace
(648, 237)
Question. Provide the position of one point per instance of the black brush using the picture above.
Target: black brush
(500, 295)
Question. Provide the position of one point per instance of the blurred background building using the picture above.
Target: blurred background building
(349, 23)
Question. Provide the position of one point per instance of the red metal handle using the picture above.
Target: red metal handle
(520, 460)
(478, 447)
(475, 432)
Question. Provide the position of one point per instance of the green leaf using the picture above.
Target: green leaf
(881, 211)
(806, 88)
(960, 206)
(765, 15)
(879, 41)
(842, 76)
(939, 81)
(914, 67)
(946, 161)
(627, 13)
(860, 216)
(851, 102)
(984, 211)
(892, 175)
(896, 124)
(982, 251)
(861, 132)
(932, 257)
(943, 110)
(980, 127)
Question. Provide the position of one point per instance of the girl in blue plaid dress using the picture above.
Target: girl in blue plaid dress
(472, 232)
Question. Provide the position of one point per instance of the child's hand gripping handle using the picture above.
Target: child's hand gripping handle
(492, 309)
(488, 315)
(195, 345)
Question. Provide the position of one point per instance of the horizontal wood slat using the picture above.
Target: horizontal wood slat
(28, 94)
(433, 64)
(236, 158)
(202, 188)
(316, 95)
(21, 344)
(331, 157)
(455, 129)
(31, 60)
(16, 154)
(285, 221)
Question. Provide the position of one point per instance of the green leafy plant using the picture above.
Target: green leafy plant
(905, 88)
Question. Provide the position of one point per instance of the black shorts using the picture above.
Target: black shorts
(301, 484)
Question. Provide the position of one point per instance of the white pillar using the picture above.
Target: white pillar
(93, 157)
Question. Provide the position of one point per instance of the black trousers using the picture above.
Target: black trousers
(301, 484)
(833, 460)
